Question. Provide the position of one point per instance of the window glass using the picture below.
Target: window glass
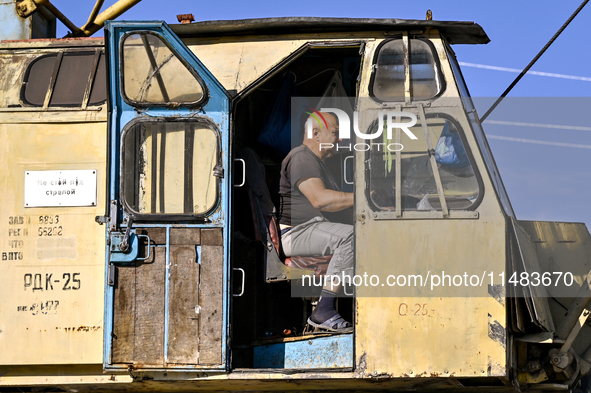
(37, 80)
(419, 190)
(152, 73)
(425, 78)
(168, 168)
(479, 134)
(98, 94)
(71, 81)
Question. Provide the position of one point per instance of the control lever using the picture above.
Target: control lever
(124, 245)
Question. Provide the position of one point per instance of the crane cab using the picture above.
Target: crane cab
(156, 140)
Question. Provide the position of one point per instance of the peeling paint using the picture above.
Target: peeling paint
(496, 331)
(361, 366)
(498, 292)
(494, 368)
(80, 329)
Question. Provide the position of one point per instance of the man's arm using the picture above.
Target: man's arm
(322, 198)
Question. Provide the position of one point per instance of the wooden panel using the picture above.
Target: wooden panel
(211, 297)
(149, 310)
(157, 235)
(183, 323)
(212, 237)
(123, 315)
(185, 236)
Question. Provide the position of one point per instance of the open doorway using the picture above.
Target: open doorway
(267, 322)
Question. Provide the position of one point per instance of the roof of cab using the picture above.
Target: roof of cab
(453, 32)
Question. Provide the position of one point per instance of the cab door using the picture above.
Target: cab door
(167, 256)
(441, 219)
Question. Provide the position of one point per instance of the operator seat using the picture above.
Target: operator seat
(266, 228)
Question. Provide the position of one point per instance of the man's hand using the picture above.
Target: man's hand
(322, 198)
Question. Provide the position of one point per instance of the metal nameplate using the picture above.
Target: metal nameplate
(60, 188)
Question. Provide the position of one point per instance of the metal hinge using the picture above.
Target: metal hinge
(113, 214)
(111, 275)
(218, 171)
(101, 220)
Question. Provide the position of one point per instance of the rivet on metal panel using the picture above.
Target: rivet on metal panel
(375, 215)
(309, 342)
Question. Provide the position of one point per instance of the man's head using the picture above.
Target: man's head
(322, 140)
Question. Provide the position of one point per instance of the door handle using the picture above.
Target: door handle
(243, 279)
(345, 170)
(243, 172)
(149, 247)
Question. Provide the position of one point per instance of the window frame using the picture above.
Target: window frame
(171, 105)
(168, 217)
(374, 68)
(92, 77)
(418, 214)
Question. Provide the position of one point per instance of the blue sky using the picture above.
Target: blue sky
(545, 181)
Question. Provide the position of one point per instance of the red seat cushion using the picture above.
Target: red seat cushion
(317, 264)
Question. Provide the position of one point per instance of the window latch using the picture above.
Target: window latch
(124, 245)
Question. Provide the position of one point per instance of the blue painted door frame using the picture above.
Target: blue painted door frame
(215, 110)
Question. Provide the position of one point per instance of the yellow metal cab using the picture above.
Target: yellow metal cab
(130, 256)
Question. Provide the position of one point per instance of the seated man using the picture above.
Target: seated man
(308, 192)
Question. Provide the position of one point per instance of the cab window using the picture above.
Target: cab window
(169, 167)
(155, 75)
(80, 78)
(461, 185)
(387, 83)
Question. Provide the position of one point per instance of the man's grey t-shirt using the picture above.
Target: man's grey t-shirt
(301, 163)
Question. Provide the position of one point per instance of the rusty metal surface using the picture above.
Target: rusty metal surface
(561, 246)
(316, 353)
(536, 296)
(13, 26)
(38, 25)
(25, 8)
(15, 57)
(455, 32)
(462, 338)
(279, 382)
(52, 288)
(424, 332)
